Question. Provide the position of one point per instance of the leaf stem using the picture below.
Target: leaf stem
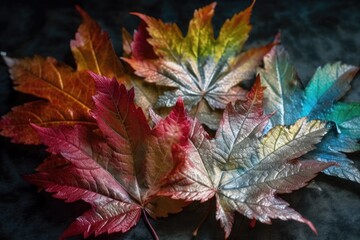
(152, 230)
(195, 232)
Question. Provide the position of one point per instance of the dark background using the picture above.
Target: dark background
(313, 32)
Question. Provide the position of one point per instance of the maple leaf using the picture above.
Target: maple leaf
(318, 100)
(202, 70)
(146, 94)
(118, 171)
(67, 92)
(243, 170)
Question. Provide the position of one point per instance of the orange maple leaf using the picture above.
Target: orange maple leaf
(67, 93)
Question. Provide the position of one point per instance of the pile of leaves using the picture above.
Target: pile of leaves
(172, 122)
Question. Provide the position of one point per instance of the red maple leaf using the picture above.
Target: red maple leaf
(118, 170)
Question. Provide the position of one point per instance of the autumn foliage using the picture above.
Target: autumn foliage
(171, 122)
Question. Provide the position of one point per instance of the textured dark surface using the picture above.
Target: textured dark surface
(314, 33)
